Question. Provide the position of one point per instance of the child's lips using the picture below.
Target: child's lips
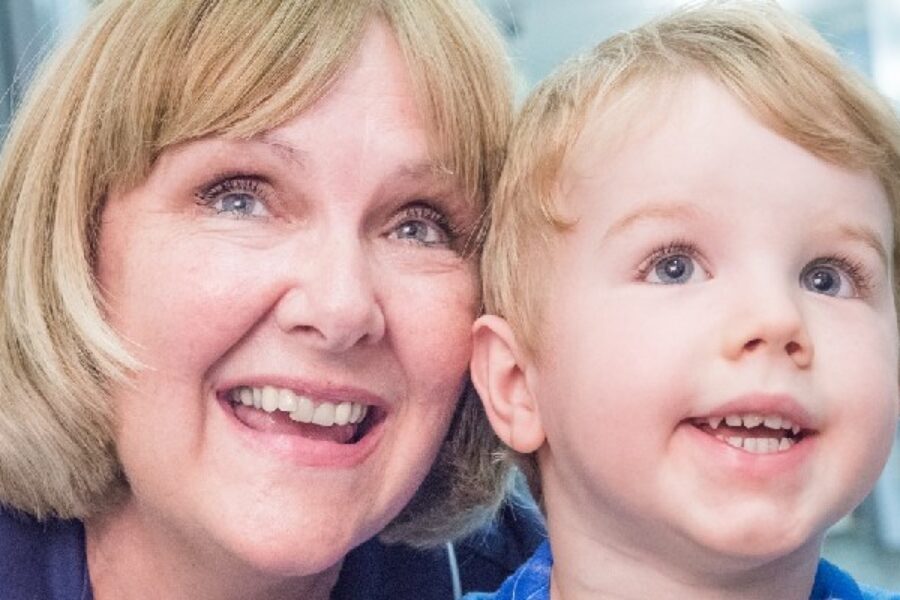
(756, 438)
(757, 423)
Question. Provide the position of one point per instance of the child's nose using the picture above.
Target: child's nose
(769, 323)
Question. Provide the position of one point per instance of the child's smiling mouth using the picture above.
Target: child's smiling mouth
(756, 433)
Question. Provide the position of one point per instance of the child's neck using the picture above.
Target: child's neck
(585, 567)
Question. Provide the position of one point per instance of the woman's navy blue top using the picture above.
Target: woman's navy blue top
(46, 561)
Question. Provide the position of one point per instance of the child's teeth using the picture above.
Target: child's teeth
(733, 420)
(759, 445)
(751, 421)
(257, 398)
(773, 422)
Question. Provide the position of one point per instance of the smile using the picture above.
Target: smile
(300, 408)
(753, 433)
(277, 410)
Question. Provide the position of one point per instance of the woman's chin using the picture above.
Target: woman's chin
(303, 539)
(272, 553)
(301, 557)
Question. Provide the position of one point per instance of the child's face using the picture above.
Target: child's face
(718, 274)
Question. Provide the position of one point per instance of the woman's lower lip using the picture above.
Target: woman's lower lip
(304, 451)
(743, 463)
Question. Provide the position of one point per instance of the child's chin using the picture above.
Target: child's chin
(757, 546)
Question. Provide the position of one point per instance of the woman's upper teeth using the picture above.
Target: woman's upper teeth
(300, 408)
(752, 420)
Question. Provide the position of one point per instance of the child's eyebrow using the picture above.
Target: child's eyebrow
(867, 236)
(687, 212)
(665, 211)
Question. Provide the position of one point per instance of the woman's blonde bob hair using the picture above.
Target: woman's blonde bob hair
(145, 75)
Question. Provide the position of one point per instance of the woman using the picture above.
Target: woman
(238, 283)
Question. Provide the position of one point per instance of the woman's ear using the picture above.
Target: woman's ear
(498, 372)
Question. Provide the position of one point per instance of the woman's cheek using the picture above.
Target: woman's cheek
(433, 319)
(187, 304)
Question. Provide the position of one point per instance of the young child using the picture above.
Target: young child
(691, 341)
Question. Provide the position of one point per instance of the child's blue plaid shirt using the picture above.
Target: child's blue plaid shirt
(532, 582)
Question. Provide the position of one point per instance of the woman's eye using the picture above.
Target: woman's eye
(672, 265)
(240, 204)
(833, 277)
(421, 232)
(423, 225)
(238, 197)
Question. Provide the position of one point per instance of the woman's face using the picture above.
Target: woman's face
(315, 270)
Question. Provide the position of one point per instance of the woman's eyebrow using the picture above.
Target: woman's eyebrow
(419, 170)
(414, 171)
(426, 175)
(282, 149)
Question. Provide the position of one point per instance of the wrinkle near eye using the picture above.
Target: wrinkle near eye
(238, 196)
(422, 224)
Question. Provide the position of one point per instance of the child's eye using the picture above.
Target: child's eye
(671, 265)
(423, 225)
(835, 276)
(239, 197)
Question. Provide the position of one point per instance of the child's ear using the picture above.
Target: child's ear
(498, 373)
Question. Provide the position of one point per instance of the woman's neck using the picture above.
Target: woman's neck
(132, 557)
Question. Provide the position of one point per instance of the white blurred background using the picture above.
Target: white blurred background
(540, 34)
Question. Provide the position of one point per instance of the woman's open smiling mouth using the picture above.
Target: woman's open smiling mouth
(314, 429)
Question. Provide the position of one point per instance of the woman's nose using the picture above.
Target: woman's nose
(333, 303)
(769, 323)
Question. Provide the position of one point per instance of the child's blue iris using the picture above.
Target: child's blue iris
(824, 280)
(675, 269)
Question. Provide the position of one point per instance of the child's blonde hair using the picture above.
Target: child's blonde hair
(141, 77)
(774, 63)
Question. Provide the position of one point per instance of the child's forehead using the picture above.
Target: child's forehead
(630, 116)
(692, 142)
